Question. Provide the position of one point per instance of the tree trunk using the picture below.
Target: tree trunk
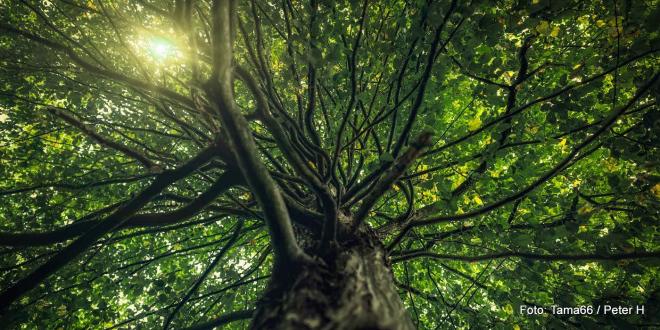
(354, 291)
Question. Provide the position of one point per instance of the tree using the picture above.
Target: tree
(328, 164)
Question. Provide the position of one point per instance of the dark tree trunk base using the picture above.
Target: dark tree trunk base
(356, 291)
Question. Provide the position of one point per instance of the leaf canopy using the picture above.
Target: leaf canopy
(541, 186)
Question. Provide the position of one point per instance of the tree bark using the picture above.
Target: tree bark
(354, 291)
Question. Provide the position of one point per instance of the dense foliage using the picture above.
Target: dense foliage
(131, 196)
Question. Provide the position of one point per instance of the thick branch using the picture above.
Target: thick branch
(224, 182)
(241, 141)
(116, 219)
(295, 160)
(607, 123)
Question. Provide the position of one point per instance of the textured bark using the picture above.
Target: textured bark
(354, 291)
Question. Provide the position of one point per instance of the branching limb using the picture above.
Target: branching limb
(230, 243)
(399, 167)
(116, 76)
(87, 130)
(539, 100)
(575, 153)
(241, 142)
(222, 320)
(528, 255)
(421, 91)
(116, 219)
(295, 160)
(224, 182)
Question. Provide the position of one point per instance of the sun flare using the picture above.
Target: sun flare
(160, 48)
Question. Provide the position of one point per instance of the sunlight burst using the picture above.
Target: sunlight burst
(160, 48)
